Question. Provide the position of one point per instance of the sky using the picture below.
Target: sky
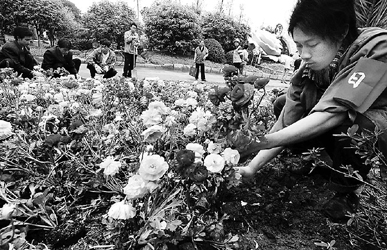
(257, 13)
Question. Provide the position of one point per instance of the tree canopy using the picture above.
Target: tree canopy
(109, 20)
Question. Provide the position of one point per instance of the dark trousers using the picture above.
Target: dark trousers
(240, 67)
(110, 73)
(202, 72)
(338, 148)
(77, 63)
(130, 63)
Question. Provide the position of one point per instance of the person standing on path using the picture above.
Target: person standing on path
(131, 40)
(201, 53)
(237, 56)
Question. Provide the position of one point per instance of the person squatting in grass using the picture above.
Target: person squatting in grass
(102, 60)
(16, 54)
(201, 53)
(342, 82)
(61, 57)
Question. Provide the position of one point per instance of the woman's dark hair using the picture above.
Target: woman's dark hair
(329, 19)
(133, 24)
(21, 32)
(64, 43)
(105, 42)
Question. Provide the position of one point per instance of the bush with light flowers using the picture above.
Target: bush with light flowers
(148, 159)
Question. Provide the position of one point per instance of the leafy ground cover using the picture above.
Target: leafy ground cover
(126, 164)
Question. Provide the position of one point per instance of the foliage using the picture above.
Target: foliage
(73, 8)
(215, 50)
(82, 43)
(109, 20)
(224, 29)
(171, 27)
(9, 15)
(366, 227)
(44, 15)
(229, 57)
(371, 13)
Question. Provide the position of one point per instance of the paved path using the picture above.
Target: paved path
(176, 75)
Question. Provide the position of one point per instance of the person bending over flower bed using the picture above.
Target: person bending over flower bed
(102, 60)
(61, 57)
(342, 82)
(16, 54)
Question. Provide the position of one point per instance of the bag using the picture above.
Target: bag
(192, 71)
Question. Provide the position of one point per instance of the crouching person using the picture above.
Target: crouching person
(102, 61)
(16, 54)
(61, 57)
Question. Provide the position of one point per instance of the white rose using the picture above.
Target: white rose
(214, 163)
(197, 148)
(5, 128)
(180, 102)
(191, 102)
(27, 97)
(153, 133)
(58, 97)
(192, 94)
(110, 166)
(160, 107)
(121, 211)
(231, 156)
(153, 167)
(190, 130)
(151, 117)
(136, 187)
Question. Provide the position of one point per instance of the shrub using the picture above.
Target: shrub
(215, 50)
(81, 44)
(224, 29)
(171, 27)
(228, 57)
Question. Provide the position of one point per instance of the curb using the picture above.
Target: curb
(185, 68)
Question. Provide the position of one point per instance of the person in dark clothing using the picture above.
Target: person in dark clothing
(341, 84)
(102, 60)
(61, 57)
(16, 54)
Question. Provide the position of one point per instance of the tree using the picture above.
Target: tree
(224, 29)
(172, 27)
(109, 20)
(371, 13)
(73, 9)
(41, 14)
(9, 13)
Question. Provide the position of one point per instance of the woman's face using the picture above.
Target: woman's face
(315, 51)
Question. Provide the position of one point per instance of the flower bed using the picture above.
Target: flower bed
(150, 158)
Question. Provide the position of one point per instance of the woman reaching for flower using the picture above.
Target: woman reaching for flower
(343, 82)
